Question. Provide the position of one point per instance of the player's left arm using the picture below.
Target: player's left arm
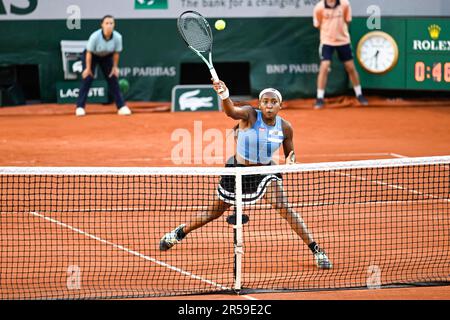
(116, 55)
(115, 67)
(288, 142)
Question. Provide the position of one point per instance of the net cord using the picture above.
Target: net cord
(213, 171)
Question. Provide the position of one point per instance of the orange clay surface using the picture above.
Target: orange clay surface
(50, 135)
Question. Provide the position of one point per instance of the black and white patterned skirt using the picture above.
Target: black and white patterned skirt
(253, 186)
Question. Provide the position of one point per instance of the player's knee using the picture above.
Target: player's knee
(206, 217)
(285, 214)
(216, 214)
(325, 64)
(219, 210)
(325, 67)
(350, 67)
(279, 205)
(290, 215)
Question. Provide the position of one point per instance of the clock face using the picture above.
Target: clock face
(377, 52)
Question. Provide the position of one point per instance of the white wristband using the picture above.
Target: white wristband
(224, 95)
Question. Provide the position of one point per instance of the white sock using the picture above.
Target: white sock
(358, 90)
(320, 94)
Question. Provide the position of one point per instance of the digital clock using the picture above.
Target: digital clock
(427, 54)
(428, 71)
(437, 72)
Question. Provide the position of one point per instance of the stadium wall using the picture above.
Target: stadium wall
(282, 50)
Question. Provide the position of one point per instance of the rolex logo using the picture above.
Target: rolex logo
(434, 31)
(434, 44)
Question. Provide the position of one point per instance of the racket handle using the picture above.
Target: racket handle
(214, 74)
(215, 78)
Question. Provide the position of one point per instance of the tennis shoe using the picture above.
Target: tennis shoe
(124, 111)
(362, 100)
(171, 238)
(79, 112)
(322, 260)
(319, 103)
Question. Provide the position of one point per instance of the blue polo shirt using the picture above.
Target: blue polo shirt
(99, 46)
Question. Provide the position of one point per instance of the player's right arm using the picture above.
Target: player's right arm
(236, 113)
(317, 16)
(89, 49)
(88, 70)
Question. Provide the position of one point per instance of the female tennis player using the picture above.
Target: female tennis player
(261, 132)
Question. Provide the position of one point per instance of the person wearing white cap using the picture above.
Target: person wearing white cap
(261, 132)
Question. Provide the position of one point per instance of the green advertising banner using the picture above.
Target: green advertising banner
(423, 54)
(151, 4)
(395, 78)
(281, 53)
(428, 54)
(195, 98)
(275, 38)
(67, 91)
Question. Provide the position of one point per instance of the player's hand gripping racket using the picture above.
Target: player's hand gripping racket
(197, 34)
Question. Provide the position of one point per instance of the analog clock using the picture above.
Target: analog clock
(377, 52)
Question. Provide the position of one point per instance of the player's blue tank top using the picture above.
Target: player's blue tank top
(258, 143)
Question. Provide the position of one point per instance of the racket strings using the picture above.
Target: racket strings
(195, 32)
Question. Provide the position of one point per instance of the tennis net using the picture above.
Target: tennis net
(83, 233)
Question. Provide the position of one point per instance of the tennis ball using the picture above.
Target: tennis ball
(124, 85)
(220, 24)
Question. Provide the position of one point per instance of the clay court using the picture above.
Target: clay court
(51, 136)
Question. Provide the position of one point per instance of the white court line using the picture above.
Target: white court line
(393, 186)
(396, 155)
(132, 252)
(249, 297)
(259, 206)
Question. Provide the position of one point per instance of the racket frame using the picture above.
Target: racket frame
(208, 62)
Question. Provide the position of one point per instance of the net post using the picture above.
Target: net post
(238, 238)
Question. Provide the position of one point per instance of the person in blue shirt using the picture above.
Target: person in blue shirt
(260, 133)
(103, 49)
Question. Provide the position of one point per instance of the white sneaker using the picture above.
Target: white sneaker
(124, 111)
(170, 239)
(79, 112)
(322, 261)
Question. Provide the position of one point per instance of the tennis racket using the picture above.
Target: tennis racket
(196, 32)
